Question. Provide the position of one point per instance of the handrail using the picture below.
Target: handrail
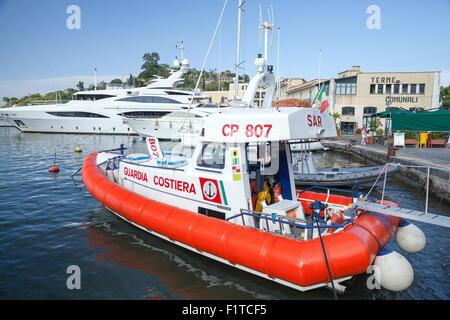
(334, 189)
(245, 212)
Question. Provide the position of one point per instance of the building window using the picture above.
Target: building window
(404, 88)
(388, 89)
(396, 88)
(422, 88)
(370, 110)
(257, 94)
(372, 89)
(366, 121)
(413, 88)
(348, 111)
(347, 88)
(379, 89)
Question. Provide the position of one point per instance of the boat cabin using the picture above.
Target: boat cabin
(241, 161)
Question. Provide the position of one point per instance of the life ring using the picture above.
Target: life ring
(276, 193)
(335, 218)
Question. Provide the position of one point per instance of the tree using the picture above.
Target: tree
(373, 125)
(116, 81)
(80, 85)
(6, 99)
(150, 65)
(445, 97)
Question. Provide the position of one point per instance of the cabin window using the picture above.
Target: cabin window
(20, 123)
(212, 156)
(149, 99)
(76, 114)
(93, 97)
(212, 213)
(144, 114)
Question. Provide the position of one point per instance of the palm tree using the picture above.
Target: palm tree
(80, 85)
(335, 117)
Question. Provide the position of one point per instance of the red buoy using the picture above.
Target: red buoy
(53, 169)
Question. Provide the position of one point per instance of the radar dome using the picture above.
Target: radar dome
(259, 63)
(185, 63)
(176, 63)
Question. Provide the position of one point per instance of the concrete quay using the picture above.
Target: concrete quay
(414, 162)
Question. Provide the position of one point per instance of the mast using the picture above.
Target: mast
(236, 80)
(181, 48)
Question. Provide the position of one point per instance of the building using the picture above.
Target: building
(356, 95)
(286, 84)
(222, 97)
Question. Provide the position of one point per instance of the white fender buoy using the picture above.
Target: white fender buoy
(116, 174)
(109, 173)
(393, 271)
(409, 237)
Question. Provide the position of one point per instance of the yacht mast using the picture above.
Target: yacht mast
(236, 80)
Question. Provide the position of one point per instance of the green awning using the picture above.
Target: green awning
(437, 121)
(388, 113)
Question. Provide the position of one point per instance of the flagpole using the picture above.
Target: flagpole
(320, 58)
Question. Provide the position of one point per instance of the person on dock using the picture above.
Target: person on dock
(363, 135)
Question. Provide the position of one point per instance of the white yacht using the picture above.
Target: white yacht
(101, 111)
(171, 125)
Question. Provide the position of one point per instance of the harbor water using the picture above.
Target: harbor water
(50, 222)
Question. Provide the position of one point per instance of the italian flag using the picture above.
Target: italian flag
(323, 100)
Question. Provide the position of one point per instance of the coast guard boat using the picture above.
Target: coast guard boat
(241, 207)
(235, 201)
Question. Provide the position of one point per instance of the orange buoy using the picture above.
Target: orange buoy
(53, 169)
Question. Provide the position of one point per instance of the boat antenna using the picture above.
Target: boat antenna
(318, 91)
(236, 80)
(56, 87)
(181, 48)
(278, 67)
(204, 63)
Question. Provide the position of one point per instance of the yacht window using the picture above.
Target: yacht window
(144, 114)
(212, 156)
(149, 99)
(76, 114)
(178, 93)
(93, 96)
(208, 105)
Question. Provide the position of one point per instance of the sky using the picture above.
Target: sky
(40, 53)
